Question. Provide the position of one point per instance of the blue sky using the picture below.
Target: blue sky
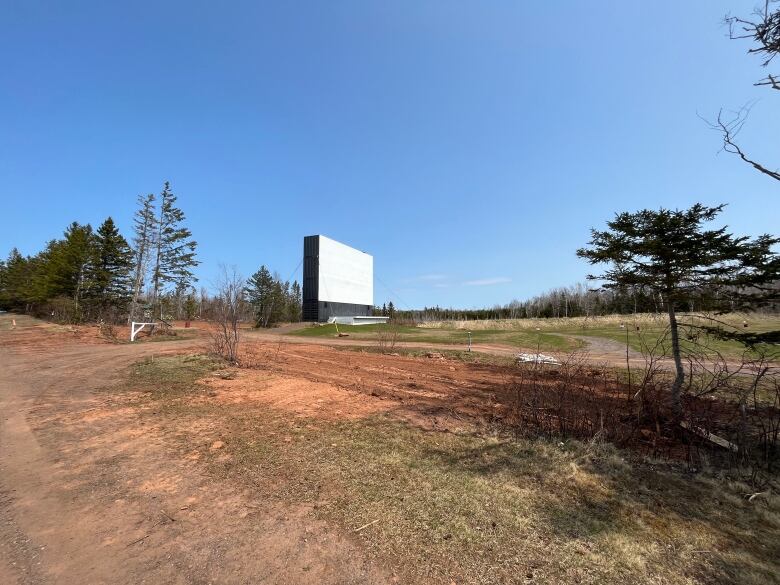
(469, 146)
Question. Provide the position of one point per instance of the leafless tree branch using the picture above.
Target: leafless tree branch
(729, 129)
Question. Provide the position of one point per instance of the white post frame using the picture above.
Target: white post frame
(135, 331)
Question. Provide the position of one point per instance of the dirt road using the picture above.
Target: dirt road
(598, 351)
(91, 492)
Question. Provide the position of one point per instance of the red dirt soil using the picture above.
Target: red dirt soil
(91, 491)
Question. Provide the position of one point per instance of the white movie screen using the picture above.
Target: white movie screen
(346, 275)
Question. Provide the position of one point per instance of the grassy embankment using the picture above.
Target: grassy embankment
(442, 507)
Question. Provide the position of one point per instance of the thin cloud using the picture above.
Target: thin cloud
(431, 277)
(488, 281)
(425, 278)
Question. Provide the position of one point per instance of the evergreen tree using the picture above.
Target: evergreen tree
(144, 226)
(41, 275)
(391, 310)
(281, 295)
(109, 274)
(14, 281)
(271, 299)
(260, 293)
(66, 269)
(670, 253)
(175, 250)
(294, 303)
(190, 305)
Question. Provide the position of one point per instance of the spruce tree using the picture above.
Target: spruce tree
(144, 226)
(110, 271)
(14, 282)
(295, 303)
(190, 305)
(174, 248)
(260, 293)
(42, 276)
(66, 268)
(669, 253)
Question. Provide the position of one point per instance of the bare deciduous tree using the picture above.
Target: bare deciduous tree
(729, 127)
(764, 30)
(227, 307)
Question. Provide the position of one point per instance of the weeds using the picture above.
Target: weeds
(731, 411)
(107, 330)
(443, 507)
(387, 337)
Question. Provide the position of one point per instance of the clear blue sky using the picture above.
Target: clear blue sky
(469, 146)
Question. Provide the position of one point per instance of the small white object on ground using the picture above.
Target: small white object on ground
(537, 358)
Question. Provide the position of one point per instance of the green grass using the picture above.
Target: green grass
(329, 330)
(690, 339)
(517, 338)
(477, 509)
(561, 334)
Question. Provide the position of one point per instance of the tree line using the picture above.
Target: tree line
(578, 300)
(90, 275)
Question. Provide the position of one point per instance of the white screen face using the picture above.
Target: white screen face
(346, 275)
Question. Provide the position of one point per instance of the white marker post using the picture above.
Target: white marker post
(135, 331)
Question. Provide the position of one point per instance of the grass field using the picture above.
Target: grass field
(640, 331)
(520, 338)
(646, 330)
(444, 507)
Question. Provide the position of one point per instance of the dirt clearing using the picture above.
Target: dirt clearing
(94, 488)
(151, 463)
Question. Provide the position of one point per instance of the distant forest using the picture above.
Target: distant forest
(574, 301)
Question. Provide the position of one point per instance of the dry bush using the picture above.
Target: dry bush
(572, 400)
(387, 337)
(731, 408)
(227, 307)
(107, 330)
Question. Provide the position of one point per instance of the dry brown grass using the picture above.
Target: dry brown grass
(547, 324)
(464, 508)
(643, 320)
